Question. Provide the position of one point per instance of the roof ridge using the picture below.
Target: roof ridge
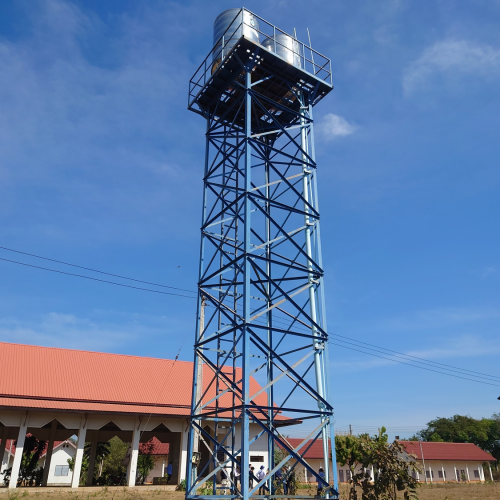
(91, 352)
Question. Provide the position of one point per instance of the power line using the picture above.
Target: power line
(96, 279)
(284, 321)
(426, 362)
(95, 270)
(415, 366)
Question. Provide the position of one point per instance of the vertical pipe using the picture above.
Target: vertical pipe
(245, 424)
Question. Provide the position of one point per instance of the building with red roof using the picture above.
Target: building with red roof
(57, 393)
(439, 462)
(442, 462)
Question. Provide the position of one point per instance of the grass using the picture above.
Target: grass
(449, 491)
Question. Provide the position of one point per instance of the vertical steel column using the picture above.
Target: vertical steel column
(269, 315)
(320, 290)
(318, 344)
(245, 418)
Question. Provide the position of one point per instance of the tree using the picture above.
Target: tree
(145, 460)
(393, 468)
(102, 451)
(114, 464)
(484, 432)
(84, 469)
(29, 472)
(290, 476)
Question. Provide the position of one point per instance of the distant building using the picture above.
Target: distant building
(443, 461)
(461, 462)
(59, 473)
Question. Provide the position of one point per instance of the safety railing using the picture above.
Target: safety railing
(271, 38)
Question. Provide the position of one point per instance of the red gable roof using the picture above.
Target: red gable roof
(315, 451)
(11, 447)
(447, 451)
(67, 379)
(159, 448)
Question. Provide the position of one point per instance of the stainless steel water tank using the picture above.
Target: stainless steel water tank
(286, 47)
(237, 22)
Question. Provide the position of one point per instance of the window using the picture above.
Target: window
(429, 474)
(61, 470)
(476, 474)
(440, 474)
(348, 474)
(341, 476)
(256, 458)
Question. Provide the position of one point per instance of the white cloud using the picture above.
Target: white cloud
(107, 330)
(490, 270)
(333, 126)
(452, 58)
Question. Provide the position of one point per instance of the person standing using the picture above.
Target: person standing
(236, 475)
(251, 476)
(321, 478)
(285, 480)
(261, 474)
(169, 472)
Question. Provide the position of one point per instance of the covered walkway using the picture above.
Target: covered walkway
(54, 394)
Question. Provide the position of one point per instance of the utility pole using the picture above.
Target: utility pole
(423, 461)
(199, 387)
(350, 430)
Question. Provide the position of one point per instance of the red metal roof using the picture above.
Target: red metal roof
(67, 379)
(315, 451)
(447, 451)
(159, 448)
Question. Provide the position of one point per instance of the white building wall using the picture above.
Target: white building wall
(471, 471)
(7, 461)
(305, 477)
(161, 462)
(60, 457)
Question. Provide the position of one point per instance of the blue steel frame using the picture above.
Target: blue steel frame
(261, 276)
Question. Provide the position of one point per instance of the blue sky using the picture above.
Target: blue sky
(101, 164)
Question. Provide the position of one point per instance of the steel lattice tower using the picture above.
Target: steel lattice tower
(261, 311)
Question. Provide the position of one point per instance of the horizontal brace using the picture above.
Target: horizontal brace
(278, 131)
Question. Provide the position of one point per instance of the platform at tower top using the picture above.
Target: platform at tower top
(220, 80)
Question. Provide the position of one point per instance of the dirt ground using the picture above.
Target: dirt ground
(451, 491)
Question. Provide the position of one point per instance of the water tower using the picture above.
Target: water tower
(261, 348)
